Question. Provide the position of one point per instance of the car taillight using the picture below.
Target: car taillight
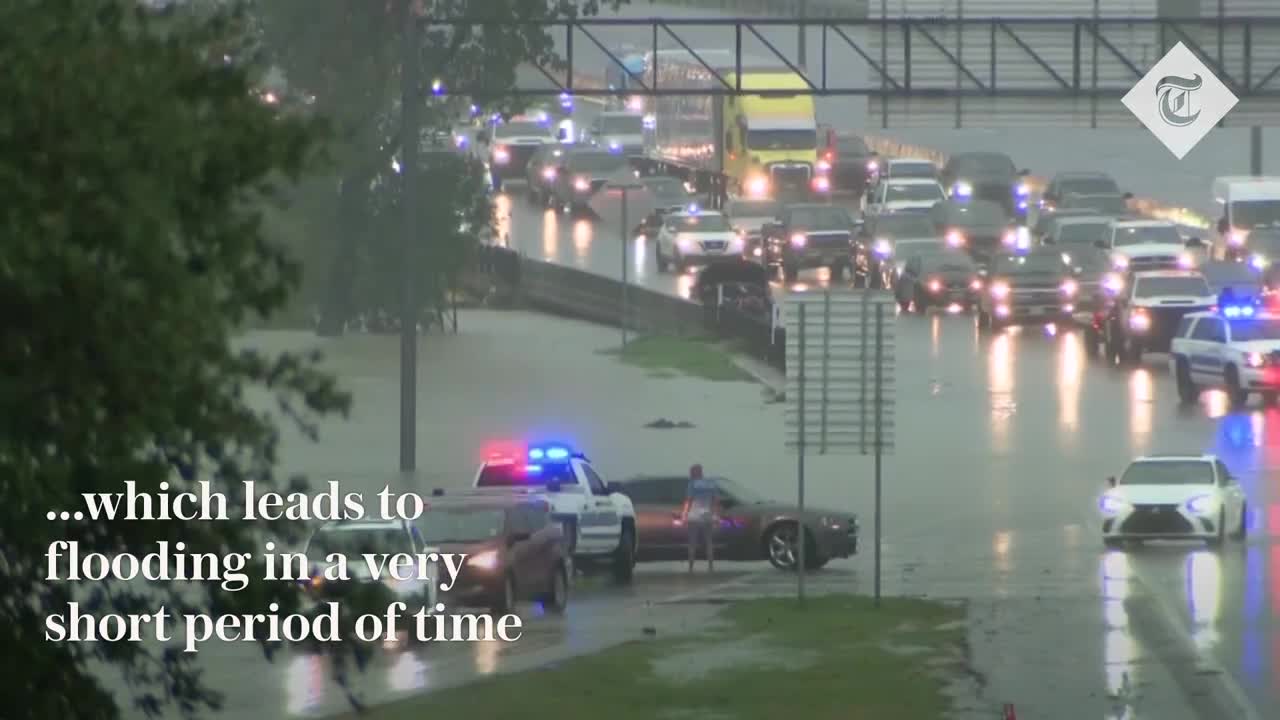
(935, 285)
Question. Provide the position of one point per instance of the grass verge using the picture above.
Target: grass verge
(838, 657)
(667, 357)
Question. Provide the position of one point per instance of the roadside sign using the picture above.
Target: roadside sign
(840, 383)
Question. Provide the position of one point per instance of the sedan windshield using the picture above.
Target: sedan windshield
(905, 226)
(1190, 286)
(701, 224)
(913, 193)
(1145, 234)
(1171, 472)
(913, 170)
(982, 164)
(460, 525)
(1038, 263)
(516, 129)
(1082, 233)
(596, 162)
(820, 217)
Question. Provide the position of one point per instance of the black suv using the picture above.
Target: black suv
(988, 176)
(810, 235)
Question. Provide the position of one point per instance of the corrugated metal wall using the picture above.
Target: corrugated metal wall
(1013, 66)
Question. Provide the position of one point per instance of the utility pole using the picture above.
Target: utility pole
(410, 138)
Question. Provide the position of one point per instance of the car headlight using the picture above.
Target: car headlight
(799, 240)
(1010, 237)
(758, 186)
(548, 173)
(883, 248)
(1112, 505)
(1140, 321)
(975, 284)
(1255, 360)
(824, 165)
(935, 286)
(1022, 190)
(501, 155)
(1120, 262)
(962, 189)
(1258, 262)
(581, 184)
(955, 238)
(1186, 261)
(1070, 287)
(487, 560)
(1237, 238)
(873, 165)
(685, 244)
(1113, 282)
(1000, 290)
(1202, 505)
(739, 242)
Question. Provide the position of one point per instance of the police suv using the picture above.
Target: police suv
(1236, 349)
(599, 520)
(1146, 313)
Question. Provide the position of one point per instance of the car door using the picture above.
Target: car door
(735, 536)
(547, 538)
(658, 503)
(601, 525)
(521, 551)
(1206, 359)
(1233, 497)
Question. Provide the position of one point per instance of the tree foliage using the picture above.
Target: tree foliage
(347, 54)
(132, 252)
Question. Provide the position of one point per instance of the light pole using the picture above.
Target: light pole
(624, 189)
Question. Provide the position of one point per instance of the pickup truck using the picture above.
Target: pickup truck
(599, 520)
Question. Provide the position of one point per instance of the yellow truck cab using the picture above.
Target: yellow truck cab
(770, 142)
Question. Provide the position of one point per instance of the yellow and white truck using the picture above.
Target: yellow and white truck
(765, 143)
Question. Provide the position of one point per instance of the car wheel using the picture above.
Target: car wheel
(1242, 532)
(781, 545)
(557, 597)
(505, 600)
(1188, 393)
(1236, 395)
(624, 557)
(920, 301)
(1217, 540)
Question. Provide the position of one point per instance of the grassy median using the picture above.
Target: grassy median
(838, 657)
(673, 356)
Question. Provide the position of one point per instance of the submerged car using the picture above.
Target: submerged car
(751, 528)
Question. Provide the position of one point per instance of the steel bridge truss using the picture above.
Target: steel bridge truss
(1050, 58)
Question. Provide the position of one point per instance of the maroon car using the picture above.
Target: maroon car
(751, 527)
(514, 550)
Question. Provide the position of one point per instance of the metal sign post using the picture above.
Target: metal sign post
(625, 315)
(851, 373)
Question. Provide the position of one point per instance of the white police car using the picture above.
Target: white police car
(696, 237)
(599, 520)
(1236, 349)
(1173, 497)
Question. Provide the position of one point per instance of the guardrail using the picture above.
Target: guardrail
(499, 271)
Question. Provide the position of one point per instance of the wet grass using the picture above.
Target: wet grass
(667, 357)
(837, 657)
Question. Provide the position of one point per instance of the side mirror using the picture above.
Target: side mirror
(1128, 196)
(483, 136)
(1101, 244)
(1111, 481)
(553, 486)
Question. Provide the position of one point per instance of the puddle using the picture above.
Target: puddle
(692, 663)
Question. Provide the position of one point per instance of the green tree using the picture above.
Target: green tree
(346, 53)
(134, 170)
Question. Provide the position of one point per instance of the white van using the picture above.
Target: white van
(1248, 203)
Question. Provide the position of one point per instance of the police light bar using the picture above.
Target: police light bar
(1238, 311)
(549, 452)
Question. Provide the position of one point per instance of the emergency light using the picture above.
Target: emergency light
(549, 452)
(1238, 311)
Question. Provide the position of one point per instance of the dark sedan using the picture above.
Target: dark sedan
(988, 176)
(853, 165)
(978, 226)
(751, 527)
(668, 195)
